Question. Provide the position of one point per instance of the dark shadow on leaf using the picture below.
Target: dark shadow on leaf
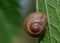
(41, 38)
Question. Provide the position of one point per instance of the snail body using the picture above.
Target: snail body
(34, 24)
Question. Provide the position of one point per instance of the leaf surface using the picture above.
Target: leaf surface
(52, 9)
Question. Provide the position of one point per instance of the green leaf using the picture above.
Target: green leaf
(52, 9)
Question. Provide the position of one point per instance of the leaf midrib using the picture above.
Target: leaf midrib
(48, 20)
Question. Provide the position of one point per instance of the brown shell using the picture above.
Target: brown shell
(37, 29)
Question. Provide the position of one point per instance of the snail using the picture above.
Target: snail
(34, 24)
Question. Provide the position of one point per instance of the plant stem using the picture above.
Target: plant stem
(36, 5)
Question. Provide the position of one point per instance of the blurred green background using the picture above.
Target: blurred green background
(12, 15)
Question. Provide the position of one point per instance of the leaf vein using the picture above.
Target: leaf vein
(48, 19)
(55, 28)
(55, 10)
(54, 39)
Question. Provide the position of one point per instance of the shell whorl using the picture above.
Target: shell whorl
(34, 24)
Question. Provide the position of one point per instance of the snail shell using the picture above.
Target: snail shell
(34, 24)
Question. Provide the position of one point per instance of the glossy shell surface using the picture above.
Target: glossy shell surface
(34, 24)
